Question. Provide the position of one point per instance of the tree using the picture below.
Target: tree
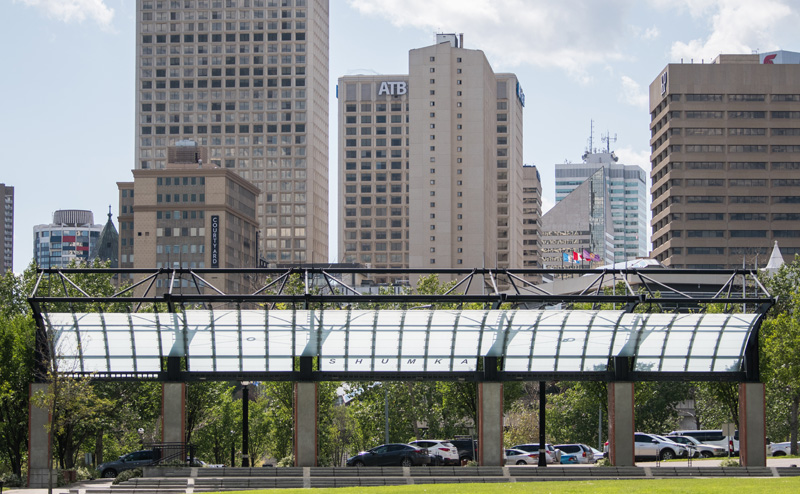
(780, 343)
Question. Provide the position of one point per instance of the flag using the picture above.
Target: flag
(576, 257)
(586, 255)
(565, 257)
(596, 257)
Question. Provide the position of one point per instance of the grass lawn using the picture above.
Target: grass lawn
(647, 486)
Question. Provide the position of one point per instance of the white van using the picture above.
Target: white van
(714, 437)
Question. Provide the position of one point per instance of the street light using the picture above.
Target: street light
(141, 436)
(233, 450)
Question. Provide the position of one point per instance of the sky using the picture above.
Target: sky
(67, 91)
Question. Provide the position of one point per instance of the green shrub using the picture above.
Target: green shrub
(729, 462)
(11, 480)
(86, 473)
(471, 463)
(286, 461)
(127, 474)
(603, 462)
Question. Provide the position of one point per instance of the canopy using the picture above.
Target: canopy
(411, 340)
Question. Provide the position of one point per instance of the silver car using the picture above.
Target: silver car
(699, 449)
(653, 446)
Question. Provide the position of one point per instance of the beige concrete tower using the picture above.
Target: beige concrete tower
(373, 171)
(431, 171)
(248, 81)
(725, 141)
(189, 216)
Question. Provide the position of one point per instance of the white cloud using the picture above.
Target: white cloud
(632, 93)
(75, 10)
(573, 35)
(630, 156)
(736, 26)
(651, 33)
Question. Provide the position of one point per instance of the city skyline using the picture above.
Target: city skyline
(570, 75)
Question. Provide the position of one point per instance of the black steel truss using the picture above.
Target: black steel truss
(323, 286)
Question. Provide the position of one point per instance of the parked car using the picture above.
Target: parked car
(466, 448)
(781, 449)
(397, 454)
(520, 457)
(137, 459)
(442, 452)
(653, 446)
(582, 452)
(597, 453)
(553, 456)
(713, 437)
(699, 449)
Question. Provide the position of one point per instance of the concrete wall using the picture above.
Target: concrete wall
(752, 425)
(621, 423)
(173, 412)
(38, 440)
(305, 424)
(490, 424)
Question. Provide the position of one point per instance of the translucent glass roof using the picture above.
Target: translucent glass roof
(399, 340)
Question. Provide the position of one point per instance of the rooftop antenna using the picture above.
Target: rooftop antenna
(607, 139)
(591, 136)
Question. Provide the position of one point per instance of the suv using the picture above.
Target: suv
(553, 455)
(137, 459)
(442, 452)
(657, 447)
(467, 449)
(582, 452)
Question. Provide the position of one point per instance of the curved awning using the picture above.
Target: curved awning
(420, 341)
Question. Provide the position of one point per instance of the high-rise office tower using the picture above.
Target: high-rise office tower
(431, 170)
(627, 198)
(7, 227)
(70, 237)
(247, 80)
(725, 141)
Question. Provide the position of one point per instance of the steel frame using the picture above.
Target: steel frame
(321, 287)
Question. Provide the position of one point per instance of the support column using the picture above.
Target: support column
(752, 425)
(490, 424)
(305, 424)
(173, 412)
(38, 440)
(621, 424)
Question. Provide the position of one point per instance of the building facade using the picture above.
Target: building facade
(70, 237)
(7, 227)
(431, 168)
(725, 141)
(627, 198)
(248, 81)
(578, 231)
(189, 216)
(531, 218)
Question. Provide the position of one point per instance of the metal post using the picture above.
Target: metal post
(600, 427)
(542, 450)
(245, 424)
(386, 412)
(233, 451)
